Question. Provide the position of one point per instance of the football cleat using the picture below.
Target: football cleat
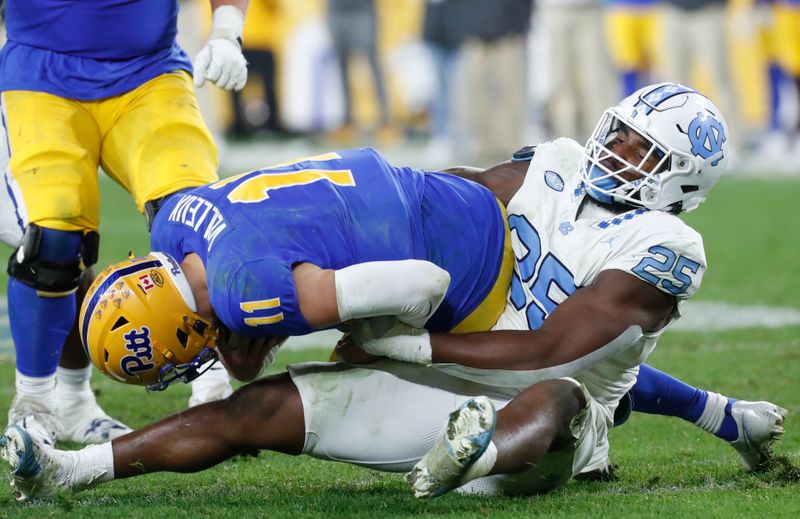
(759, 424)
(26, 407)
(469, 432)
(85, 422)
(37, 469)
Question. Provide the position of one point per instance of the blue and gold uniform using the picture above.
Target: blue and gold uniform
(98, 83)
(787, 35)
(333, 211)
(87, 84)
(633, 39)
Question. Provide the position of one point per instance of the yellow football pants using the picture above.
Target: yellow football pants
(151, 140)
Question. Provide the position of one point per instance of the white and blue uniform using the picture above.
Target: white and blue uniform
(560, 244)
(563, 240)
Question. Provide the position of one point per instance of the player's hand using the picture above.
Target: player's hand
(246, 357)
(388, 337)
(221, 61)
(348, 351)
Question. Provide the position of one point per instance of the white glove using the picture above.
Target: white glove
(221, 60)
(388, 337)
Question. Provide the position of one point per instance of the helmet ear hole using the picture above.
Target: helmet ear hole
(120, 322)
(105, 355)
(689, 188)
(183, 338)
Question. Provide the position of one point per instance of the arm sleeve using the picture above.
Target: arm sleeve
(410, 290)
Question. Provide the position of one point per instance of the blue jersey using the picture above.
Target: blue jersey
(89, 49)
(333, 211)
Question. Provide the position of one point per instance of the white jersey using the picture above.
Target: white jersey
(562, 241)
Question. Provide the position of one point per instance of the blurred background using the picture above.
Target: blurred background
(434, 83)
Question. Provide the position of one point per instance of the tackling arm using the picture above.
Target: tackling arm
(605, 318)
(503, 179)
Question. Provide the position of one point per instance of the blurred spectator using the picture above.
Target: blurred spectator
(695, 35)
(495, 63)
(252, 113)
(353, 26)
(578, 64)
(632, 36)
(787, 49)
(444, 28)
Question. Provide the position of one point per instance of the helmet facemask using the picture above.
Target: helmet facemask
(611, 178)
(683, 140)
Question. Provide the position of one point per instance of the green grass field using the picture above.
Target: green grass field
(667, 467)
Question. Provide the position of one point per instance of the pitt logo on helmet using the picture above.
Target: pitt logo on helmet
(139, 324)
(139, 344)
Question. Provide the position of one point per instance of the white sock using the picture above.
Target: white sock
(482, 465)
(92, 465)
(73, 384)
(39, 388)
(713, 414)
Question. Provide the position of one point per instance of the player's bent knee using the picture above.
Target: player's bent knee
(258, 402)
(51, 260)
(265, 414)
(568, 400)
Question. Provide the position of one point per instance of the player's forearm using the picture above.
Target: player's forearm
(508, 349)
(548, 367)
(530, 350)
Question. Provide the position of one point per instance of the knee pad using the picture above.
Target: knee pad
(52, 261)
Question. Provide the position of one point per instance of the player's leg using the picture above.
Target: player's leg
(267, 414)
(623, 46)
(750, 427)
(320, 411)
(80, 418)
(157, 143)
(53, 145)
(537, 442)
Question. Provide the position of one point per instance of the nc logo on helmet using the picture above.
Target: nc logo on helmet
(138, 343)
(707, 136)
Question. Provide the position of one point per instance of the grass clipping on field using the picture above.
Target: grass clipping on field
(779, 469)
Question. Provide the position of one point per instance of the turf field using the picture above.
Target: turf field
(667, 467)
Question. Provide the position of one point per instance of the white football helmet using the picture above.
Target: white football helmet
(687, 135)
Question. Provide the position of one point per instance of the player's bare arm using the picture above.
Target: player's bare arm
(605, 317)
(588, 320)
(503, 179)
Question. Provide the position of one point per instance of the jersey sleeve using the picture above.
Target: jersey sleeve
(256, 298)
(671, 258)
